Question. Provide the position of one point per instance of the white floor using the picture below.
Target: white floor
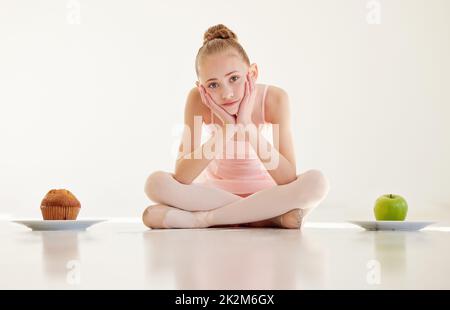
(126, 255)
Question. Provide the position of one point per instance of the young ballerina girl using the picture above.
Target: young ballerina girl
(245, 189)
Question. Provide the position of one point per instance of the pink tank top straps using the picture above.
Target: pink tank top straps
(241, 172)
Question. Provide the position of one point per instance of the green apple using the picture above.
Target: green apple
(390, 207)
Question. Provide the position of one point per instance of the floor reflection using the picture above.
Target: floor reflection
(390, 250)
(60, 256)
(234, 258)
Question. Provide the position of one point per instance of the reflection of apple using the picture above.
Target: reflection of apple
(390, 207)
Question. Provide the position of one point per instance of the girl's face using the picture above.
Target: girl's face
(223, 76)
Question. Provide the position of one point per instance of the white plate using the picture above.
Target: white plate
(392, 225)
(58, 225)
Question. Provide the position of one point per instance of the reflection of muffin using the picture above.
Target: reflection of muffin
(60, 204)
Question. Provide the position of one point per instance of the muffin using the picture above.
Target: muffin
(60, 204)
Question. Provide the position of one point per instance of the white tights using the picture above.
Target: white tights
(197, 206)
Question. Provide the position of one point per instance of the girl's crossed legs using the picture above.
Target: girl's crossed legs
(198, 206)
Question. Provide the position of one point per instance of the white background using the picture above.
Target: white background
(93, 107)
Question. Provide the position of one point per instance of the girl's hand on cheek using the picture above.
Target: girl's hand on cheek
(223, 115)
(244, 115)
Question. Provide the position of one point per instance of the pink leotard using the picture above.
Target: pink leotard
(243, 173)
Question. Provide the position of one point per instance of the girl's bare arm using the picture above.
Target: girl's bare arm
(279, 159)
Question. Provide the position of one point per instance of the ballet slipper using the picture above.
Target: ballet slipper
(154, 216)
(293, 219)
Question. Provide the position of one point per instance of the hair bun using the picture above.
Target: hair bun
(219, 31)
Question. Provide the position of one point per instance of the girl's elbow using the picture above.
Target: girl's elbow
(287, 179)
(181, 179)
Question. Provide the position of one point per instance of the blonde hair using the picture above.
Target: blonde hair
(217, 39)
